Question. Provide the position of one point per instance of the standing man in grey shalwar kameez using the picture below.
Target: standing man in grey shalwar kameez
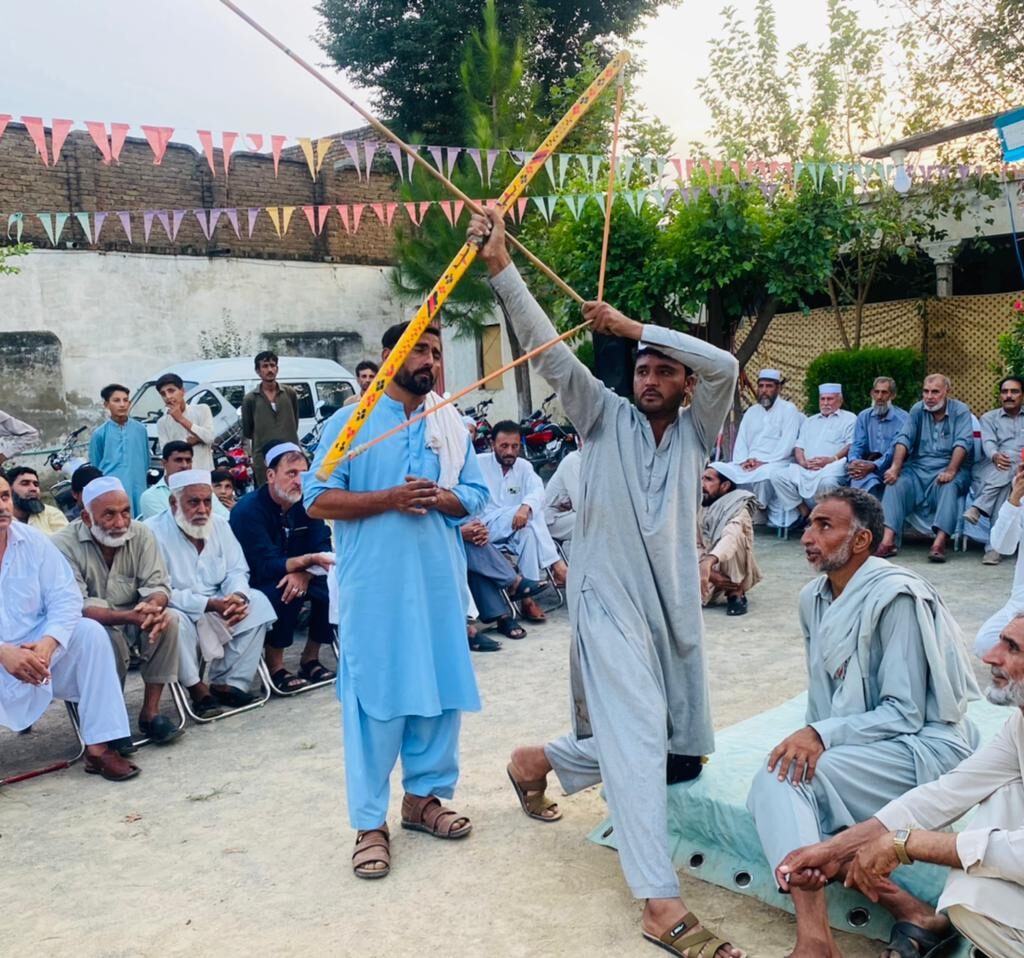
(639, 679)
(889, 681)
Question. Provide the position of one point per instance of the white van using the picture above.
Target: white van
(322, 386)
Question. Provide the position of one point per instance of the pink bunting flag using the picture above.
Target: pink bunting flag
(357, 215)
(36, 130)
(208, 221)
(459, 204)
(164, 221)
(474, 155)
(435, 152)
(370, 147)
(492, 156)
(126, 224)
(385, 211)
(227, 142)
(232, 217)
(316, 216)
(396, 155)
(255, 141)
(343, 213)
(5, 118)
(118, 134)
(206, 138)
(446, 208)
(58, 134)
(147, 223)
(520, 208)
(98, 132)
(678, 164)
(352, 146)
(451, 157)
(252, 215)
(83, 222)
(158, 137)
(276, 142)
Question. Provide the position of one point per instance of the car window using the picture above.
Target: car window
(305, 399)
(234, 393)
(207, 398)
(333, 394)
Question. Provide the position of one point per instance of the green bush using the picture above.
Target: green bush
(856, 369)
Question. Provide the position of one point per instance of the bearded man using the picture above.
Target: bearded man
(726, 542)
(889, 682)
(874, 437)
(26, 498)
(219, 614)
(118, 568)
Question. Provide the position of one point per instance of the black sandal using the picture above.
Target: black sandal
(284, 681)
(314, 672)
(509, 628)
(905, 936)
(527, 589)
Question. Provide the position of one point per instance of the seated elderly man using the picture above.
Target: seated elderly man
(514, 514)
(931, 467)
(119, 571)
(221, 617)
(1002, 439)
(560, 498)
(289, 554)
(48, 651)
(177, 456)
(764, 445)
(889, 681)
(489, 573)
(28, 503)
(726, 543)
(984, 894)
(820, 454)
(874, 438)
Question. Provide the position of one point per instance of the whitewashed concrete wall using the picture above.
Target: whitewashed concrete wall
(121, 317)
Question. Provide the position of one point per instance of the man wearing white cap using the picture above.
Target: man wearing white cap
(820, 454)
(48, 651)
(220, 615)
(764, 445)
(122, 578)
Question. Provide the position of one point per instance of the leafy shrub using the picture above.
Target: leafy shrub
(856, 369)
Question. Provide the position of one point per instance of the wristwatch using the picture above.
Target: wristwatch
(899, 843)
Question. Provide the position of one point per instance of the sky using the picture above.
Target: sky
(193, 64)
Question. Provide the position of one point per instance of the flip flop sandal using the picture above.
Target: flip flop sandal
(373, 847)
(483, 643)
(509, 628)
(314, 672)
(527, 589)
(930, 943)
(284, 681)
(430, 816)
(532, 799)
(698, 944)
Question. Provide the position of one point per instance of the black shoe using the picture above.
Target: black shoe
(683, 768)
(124, 746)
(207, 707)
(736, 605)
(160, 729)
(483, 643)
(233, 697)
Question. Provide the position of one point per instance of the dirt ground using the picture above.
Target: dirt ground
(234, 840)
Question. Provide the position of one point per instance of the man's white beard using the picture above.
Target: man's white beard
(290, 497)
(935, 406)
(105, 539)
(1010, 694)
(766, 401)
(190, 529)
(882, 408)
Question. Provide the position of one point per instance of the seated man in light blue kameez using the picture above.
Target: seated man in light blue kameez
(889, 680)
(405, 674)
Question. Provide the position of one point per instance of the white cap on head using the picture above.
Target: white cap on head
(830, 389)
(773, 374)
(100, 486)
(189, 477)
(280, 449)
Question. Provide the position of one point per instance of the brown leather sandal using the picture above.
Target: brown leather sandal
(430, 816)
(373, 847)
(698, 944)
(111, 766)
(532, 799)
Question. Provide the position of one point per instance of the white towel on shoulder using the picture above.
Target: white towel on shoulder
(446, 435)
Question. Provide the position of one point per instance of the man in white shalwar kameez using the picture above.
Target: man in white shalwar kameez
(48, 651)
(889, 680)
(820, 453)
(639, 679)
(560, 496)
(764, 446)
(514, 514)
(218, 612)
(1006, 536)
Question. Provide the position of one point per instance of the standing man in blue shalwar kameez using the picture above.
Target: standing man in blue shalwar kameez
(405, 673)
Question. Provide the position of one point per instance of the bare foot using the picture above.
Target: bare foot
(661, 914)
(559, 573)
(816, 949)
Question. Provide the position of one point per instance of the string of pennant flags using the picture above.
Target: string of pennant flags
(350, 215)
(109, 139)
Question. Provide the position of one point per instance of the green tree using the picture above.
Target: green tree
(410, 52)
(8, 252)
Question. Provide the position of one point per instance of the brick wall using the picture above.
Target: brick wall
(81, 183)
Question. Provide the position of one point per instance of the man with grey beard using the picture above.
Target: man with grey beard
(220, 616)
(889, 682)
(117, 566)
(289, 554)
(984, 893)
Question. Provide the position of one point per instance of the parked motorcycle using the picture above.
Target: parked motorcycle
(545, 442)
(64, 462)
(483, 439)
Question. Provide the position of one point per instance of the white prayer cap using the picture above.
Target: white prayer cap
(830, 389)
(279, 450)
(100, 487)
(189, 477)
(773, 374)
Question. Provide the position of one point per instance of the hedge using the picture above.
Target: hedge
(856, 369)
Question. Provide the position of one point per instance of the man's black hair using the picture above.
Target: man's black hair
(394, 333)
(867, 510)
(82, 476)
(266, 354)
(170, 379)
(367, 364)
(107, 391)
(221, 475)
(507, 426)
(175, 445)
(1011, 379)
(16, 471)
(651, 351)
